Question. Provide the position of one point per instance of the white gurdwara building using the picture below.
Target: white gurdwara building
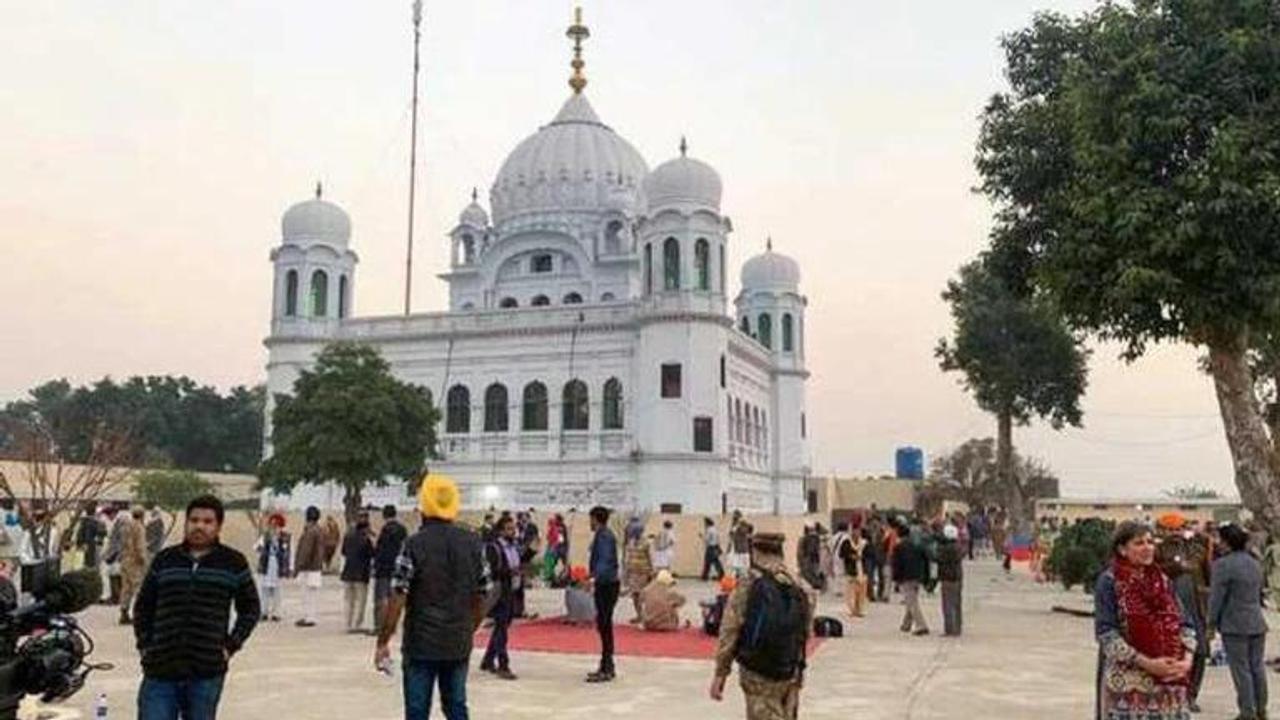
(587, 355)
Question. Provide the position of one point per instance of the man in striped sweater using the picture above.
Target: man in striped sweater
(182, 617)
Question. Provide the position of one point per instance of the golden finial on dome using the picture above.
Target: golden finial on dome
(577, 32)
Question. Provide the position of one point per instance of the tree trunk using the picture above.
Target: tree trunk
(351, 502)
(1252, 454)
(1015, 503)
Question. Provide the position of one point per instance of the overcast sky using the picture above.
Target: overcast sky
(147, 150)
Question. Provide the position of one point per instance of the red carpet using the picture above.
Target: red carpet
(555, 636)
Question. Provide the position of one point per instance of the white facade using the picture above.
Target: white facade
(587, 355)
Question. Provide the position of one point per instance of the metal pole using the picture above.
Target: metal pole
(413, 154)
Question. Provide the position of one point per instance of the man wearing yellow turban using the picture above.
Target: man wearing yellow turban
(439, 585)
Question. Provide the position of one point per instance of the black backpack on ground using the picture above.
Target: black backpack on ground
(772, 642)
(827, 627)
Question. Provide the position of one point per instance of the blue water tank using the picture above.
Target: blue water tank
(909, 463)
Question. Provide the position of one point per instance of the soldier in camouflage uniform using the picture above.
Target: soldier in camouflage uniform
(766, 699)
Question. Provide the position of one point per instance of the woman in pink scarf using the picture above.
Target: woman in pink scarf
(1145, 644)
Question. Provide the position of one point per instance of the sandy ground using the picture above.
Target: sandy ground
(1016, 660)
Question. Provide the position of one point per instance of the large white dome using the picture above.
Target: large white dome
(316, 221)
(683, 180)
(574, 163)
(770, 271)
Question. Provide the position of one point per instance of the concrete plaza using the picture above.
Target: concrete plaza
(1017, 659)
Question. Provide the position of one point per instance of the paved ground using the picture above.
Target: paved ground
(1016, 660)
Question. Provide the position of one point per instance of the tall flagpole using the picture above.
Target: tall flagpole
(413, 154)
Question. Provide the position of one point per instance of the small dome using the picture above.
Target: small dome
(683, 180)
(316, 221)
(770, 271)
(474, 215)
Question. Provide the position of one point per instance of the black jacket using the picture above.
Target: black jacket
(390, 541)
(910, 562)
(443, 576)
(357, 555)
(950, 567)
(181, 617)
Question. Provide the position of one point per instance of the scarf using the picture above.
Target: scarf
(1151, 616)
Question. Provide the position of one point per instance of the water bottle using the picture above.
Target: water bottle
(100, 707)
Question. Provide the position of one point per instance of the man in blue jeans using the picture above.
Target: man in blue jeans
(181, 618)
(439, 585)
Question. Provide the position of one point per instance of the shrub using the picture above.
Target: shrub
(1080, 553)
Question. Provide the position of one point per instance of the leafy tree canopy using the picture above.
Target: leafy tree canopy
(349, 421)
(174, 421)
(1016, 356)
(170, 491)
(968, 473)
(1136, 159)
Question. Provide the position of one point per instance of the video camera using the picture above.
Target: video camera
(42, 647)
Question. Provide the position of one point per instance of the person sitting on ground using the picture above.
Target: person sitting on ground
(713, 609)
(579, 606)
(660, 604)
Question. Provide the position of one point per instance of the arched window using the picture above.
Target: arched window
(747, 431)
(764, 330)
(458, 410)
(759, 436)
(575, 414)
(745, 325)
(319, 294)
(291, 293)
(671, 264)
(573, 298)
(540, 300)
(468, 249)
(534, 415)
(723, 372)
(613, 404)
(702, 263)
(788, 338)
(613, 238)
(509, 302)
(541, 264)
(764, 431)
(737, 420)
(648, 268)
(342, 296)
(607, 297)
(721, 283)
(495, 408)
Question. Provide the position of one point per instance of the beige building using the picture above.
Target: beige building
(832, 494)
(1144, 509)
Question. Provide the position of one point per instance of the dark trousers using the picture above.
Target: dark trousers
(875, 581)
(381, 594)
(495, 656)
(711, 559)
(606, 600)
(952, 619)
(195, 699)
(1248, 673)
(1198, 662)
(420, 679)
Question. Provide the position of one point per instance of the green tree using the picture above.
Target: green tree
(351, 422)
(170, 491)
(1193, 492)
(969, 474)
(1135, 161)
(1017, 359)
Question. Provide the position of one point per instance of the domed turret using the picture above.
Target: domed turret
(473, 214)
(770, 271)
(683, 180)
(316, 221)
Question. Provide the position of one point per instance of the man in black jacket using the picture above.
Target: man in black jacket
(182, 615)
(440, 584)
(390, 540)
(911, 572)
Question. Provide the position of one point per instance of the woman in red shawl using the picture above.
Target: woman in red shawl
(1145, 645)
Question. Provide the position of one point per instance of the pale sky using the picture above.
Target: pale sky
(147, 150)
